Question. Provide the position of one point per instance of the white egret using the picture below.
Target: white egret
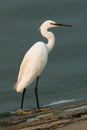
(35, 60)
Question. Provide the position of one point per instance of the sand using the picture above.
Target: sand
(81, 125)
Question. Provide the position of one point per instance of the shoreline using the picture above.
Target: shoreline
(57, 117)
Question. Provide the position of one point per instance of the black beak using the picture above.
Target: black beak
(61, 25)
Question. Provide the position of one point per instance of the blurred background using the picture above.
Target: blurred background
(65, 76)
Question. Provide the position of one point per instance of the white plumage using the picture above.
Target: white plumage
(32, 65)
(35, 59)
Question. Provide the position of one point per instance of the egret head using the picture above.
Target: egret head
(50, 24)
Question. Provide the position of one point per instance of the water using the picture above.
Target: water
(65, 76)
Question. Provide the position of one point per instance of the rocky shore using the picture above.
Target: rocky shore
(66, 117)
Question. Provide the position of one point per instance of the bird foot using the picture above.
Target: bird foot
(41, 109)
(22, 112)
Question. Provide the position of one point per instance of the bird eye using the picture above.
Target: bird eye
(52, 23)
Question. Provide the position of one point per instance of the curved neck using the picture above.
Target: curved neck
(50, 37)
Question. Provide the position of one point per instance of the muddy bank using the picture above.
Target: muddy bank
(50, 119)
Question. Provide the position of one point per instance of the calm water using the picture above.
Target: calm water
(65, 76)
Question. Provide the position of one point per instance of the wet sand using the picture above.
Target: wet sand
(66, 117)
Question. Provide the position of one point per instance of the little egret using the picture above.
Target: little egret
(35, 60)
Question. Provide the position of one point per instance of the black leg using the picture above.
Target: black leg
(22, 101)
(21, 111)
(36, 92)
